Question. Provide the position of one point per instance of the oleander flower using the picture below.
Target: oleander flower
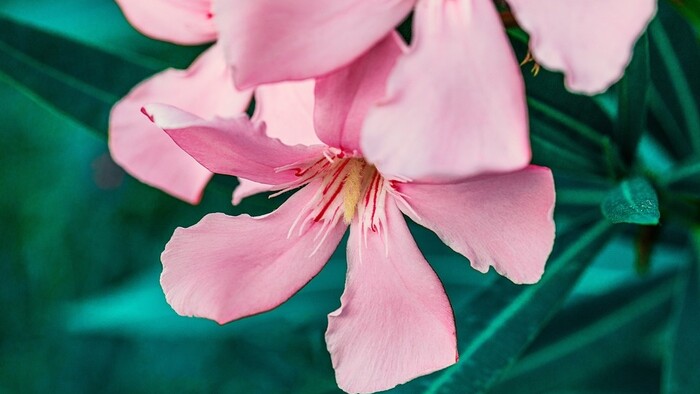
(395, 321)
(460, 59)
(206, 89)
(462, 42)
(590, 41)
(275, 40)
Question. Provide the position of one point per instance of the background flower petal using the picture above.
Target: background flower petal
(287, 110)
(344, 97)
(185, 22)
(277, 40)
(145, 151)
(591, 41)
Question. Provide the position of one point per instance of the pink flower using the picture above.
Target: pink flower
(205, 89)
(395, 322)
(276, 40)
(460, 58)
(589, 41)
(461, 43)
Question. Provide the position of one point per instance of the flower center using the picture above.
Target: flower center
(346, 187)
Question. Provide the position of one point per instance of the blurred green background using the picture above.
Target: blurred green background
(82, 310)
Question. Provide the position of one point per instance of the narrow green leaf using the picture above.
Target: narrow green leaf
(685, 178)
(632, 102)
(80, 78)
(565, 120)
(547, 153)
(569, 349)
(504, 318)
(569, 132)
(690, 9)
(665, 126)
(632, 201)
(97, 23)
(83, 103)
(80, 81)
(683, 361)
(673, 57)
(92, 65)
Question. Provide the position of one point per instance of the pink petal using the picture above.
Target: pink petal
(184, 22)
(233, 146)
(279, 40)
(504, 221)
(344, 97)
(248, 188)
(590, 41)
(395, 322)
(287, 108)
(147, 153)
(228, 267)
(455, 104)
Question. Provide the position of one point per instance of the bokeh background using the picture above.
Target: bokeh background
(82, 309)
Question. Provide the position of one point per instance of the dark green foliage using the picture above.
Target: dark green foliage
(683, 354)
(632, 93)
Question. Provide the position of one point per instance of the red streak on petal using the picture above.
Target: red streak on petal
(328, 203)
(374, 204)
(308, 177)
(308, 168)
(369, 190)
(335, 176)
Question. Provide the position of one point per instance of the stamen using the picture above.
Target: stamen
(344, 187)
(529, 58)
(325, 231)
(336, 174)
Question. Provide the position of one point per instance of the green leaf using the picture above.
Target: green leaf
(685, 178)
(690, 9)
(80, 80)
(568, 351)
(682, 362)
(65, 78)
(632, 201)
(632, 102)
(675, 112)
(568, 132)
(100, 24)
(500, 321)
